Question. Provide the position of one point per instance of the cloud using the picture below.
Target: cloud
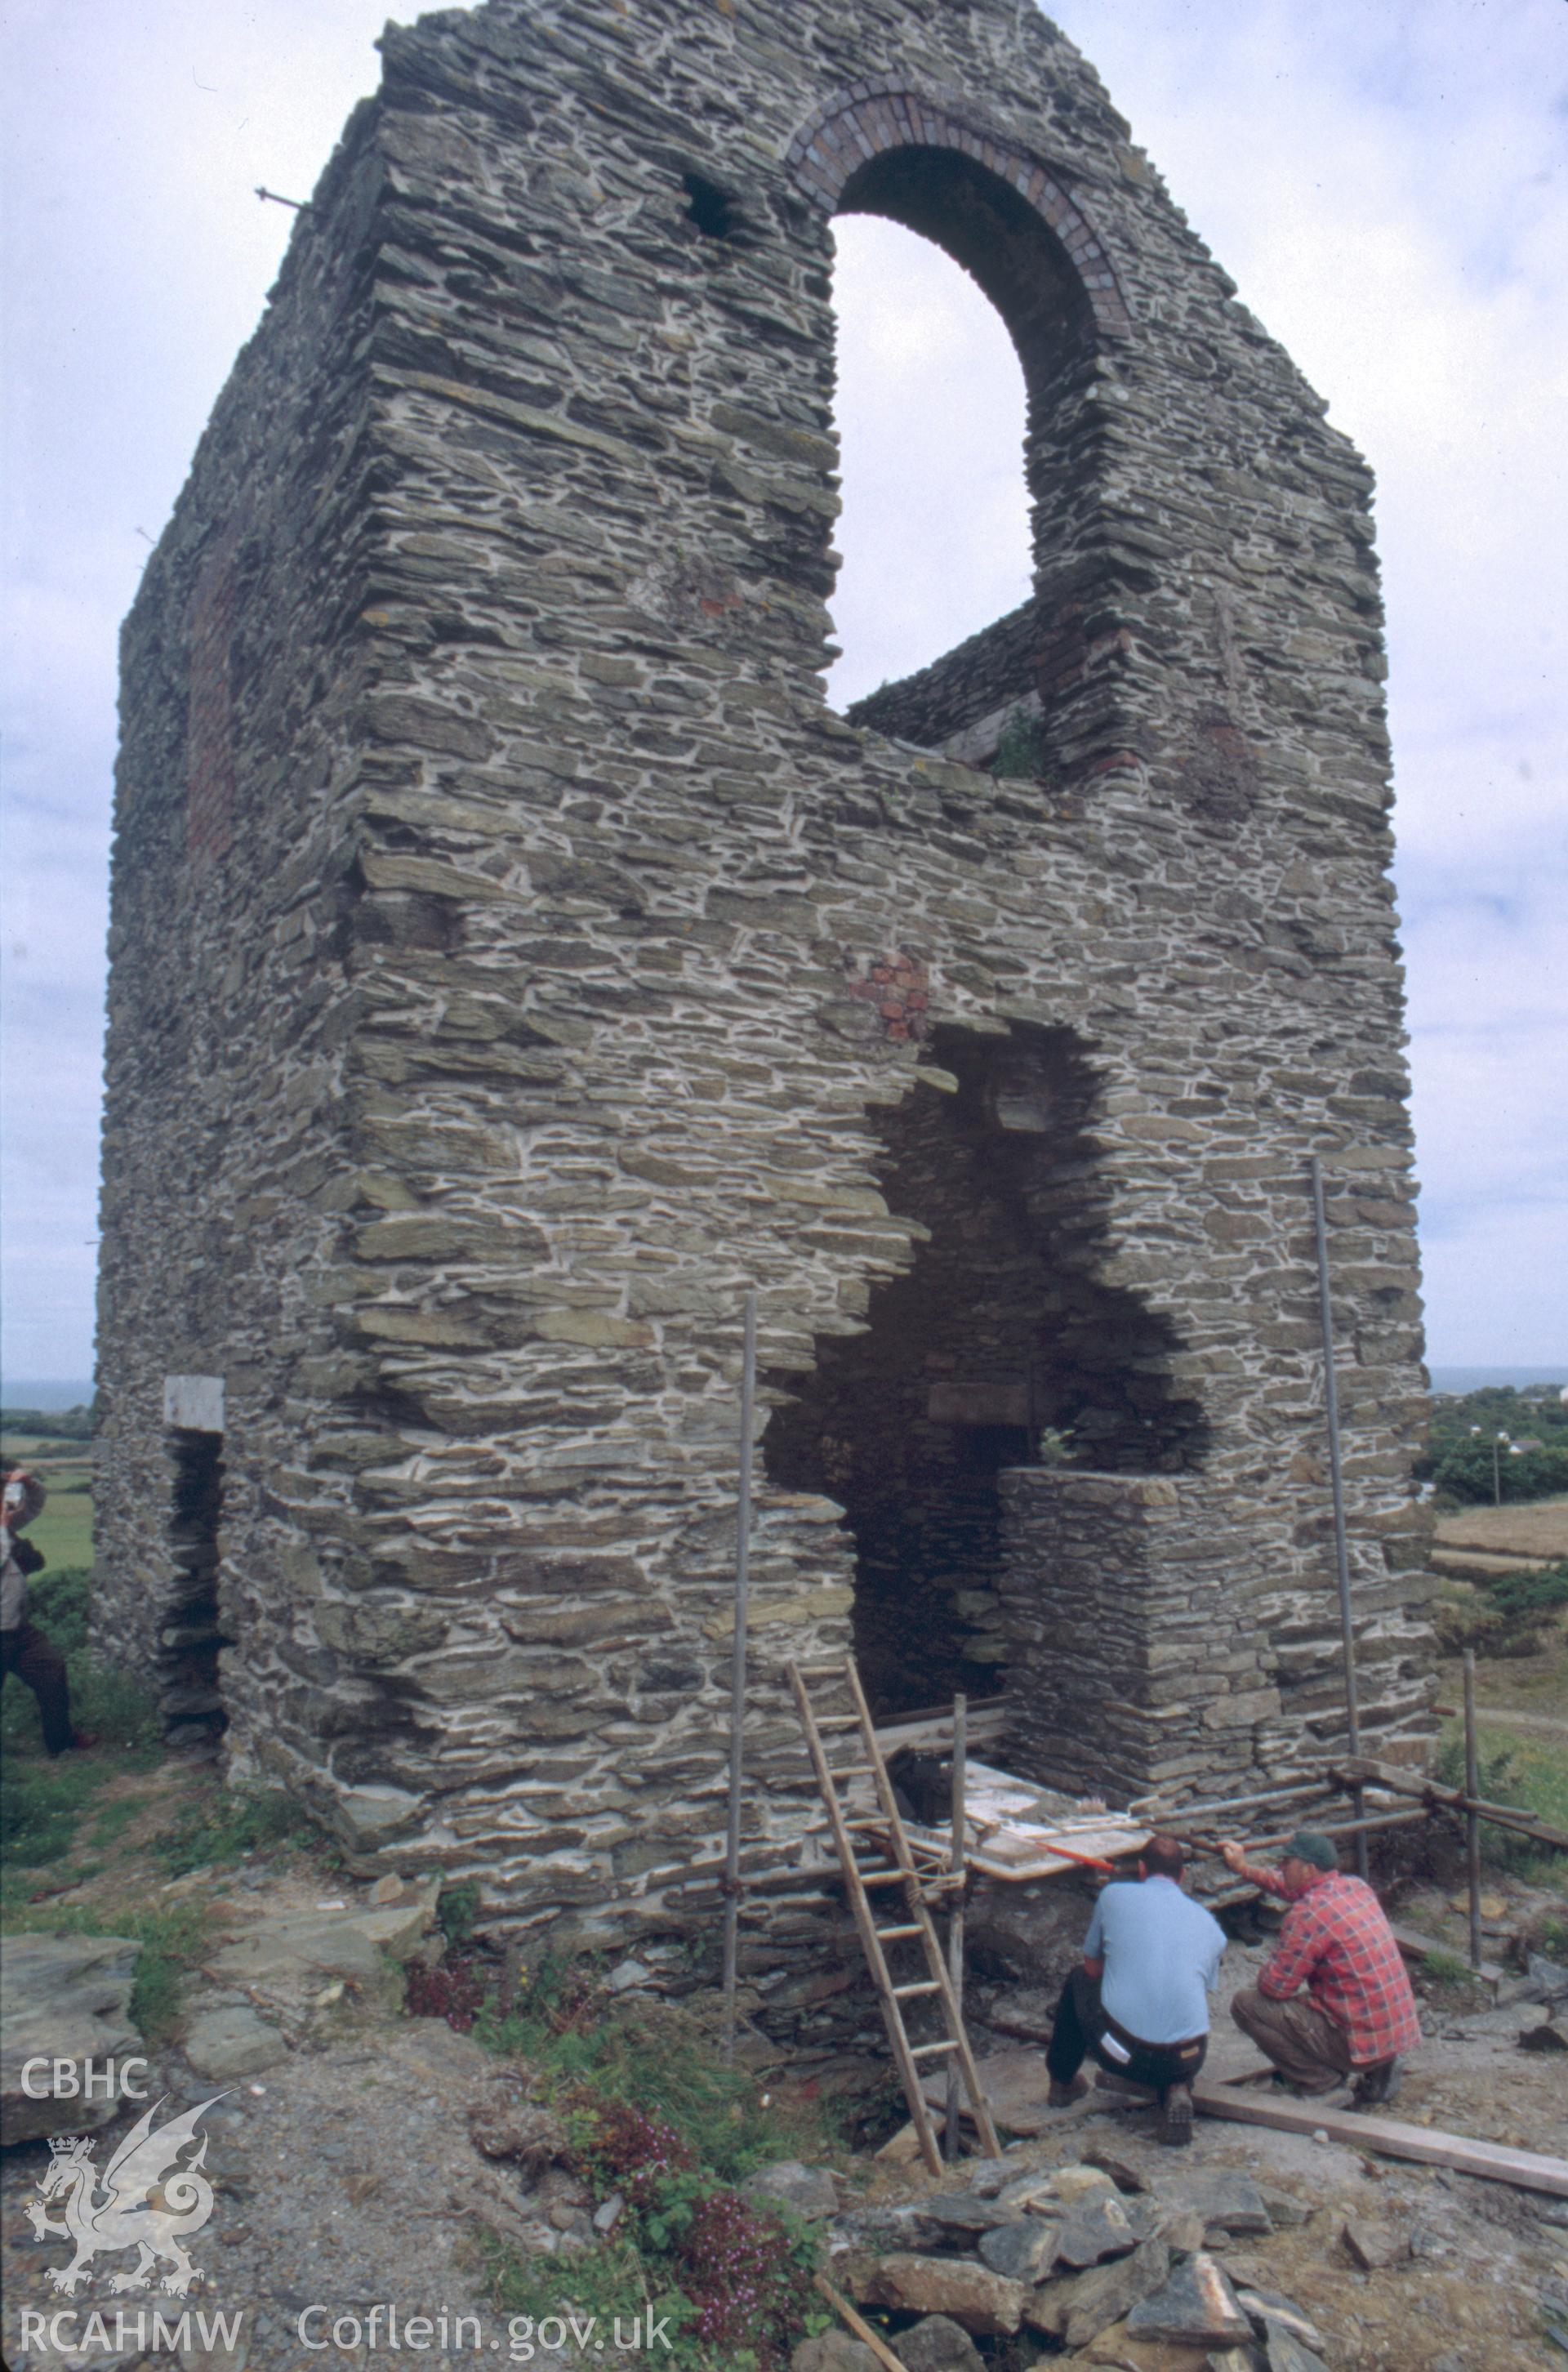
(1385, 184)
(930, 408)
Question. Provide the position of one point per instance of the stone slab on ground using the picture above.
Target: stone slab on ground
(1286, 2352)
(833, 2351)
(810, 2191)
(1114, 2349)
(65, 1997)
(224, 2043)
(1227, 2199)
(1263, 2307)
(1017, 2086)
(293, 1949)
(1102, 2223)
(1080, 2307)
(986, 2304)
(964, 2215)
(1023, 2249)
(938, 2344)
(1372, 2246)
(1085, 2182)
(1196, 2308)
(1122, 2170)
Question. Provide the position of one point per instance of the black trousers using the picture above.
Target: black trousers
(1081, 2026)
(34, 1657)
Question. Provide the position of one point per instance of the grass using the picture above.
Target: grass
(64, 1533)
(51, 1810)
(172, 1938)
(654, 2116)
(647, 2058)
(1452, 1980)
(1524, 1767)
(102, 1700)
(44, 1803)
(229, 1827)
(613, 2284)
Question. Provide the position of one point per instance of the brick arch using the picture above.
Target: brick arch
(876, 118)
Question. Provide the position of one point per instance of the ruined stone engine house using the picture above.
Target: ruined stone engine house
(514, 958)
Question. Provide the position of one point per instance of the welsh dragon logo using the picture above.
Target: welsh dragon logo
(149, 2202)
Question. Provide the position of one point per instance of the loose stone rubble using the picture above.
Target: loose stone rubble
(514, 958)
(66, 2015)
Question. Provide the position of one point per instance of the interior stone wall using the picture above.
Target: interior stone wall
(988, 674)
(514, 958)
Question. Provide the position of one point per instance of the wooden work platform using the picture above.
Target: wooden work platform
(1014, 1830)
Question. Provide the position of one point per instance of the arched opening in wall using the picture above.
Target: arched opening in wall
(967, 562)
(997, 1346)
(191, 1636)
(930, 411)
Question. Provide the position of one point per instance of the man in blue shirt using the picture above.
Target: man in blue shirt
(1140, 2001)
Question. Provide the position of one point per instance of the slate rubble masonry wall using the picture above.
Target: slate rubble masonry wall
(493, 888)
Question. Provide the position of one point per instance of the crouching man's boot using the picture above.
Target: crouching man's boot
(1061, 2096)
(1372, 2086)
(1176, 2117)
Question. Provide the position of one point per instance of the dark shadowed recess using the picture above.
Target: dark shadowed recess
(191, 1636)
(999, 1335)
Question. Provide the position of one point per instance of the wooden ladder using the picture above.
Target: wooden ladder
(893, 1866)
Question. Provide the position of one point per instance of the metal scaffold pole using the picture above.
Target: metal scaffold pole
(956, 1916)
(1337, 1482)
(737, 1676)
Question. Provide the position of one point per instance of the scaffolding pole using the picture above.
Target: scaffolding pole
(956, 1919)
(731, 1880)
(1472, 1818)
(1336, 1480)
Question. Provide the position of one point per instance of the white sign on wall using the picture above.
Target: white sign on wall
(193, 1403)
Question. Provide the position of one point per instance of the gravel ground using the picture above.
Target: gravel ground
(339, 2176)
(346, 2179)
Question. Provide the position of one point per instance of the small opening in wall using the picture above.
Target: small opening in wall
(711, 209)
(190, 1635)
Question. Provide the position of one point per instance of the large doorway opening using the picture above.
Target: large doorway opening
(997, 1347)
(191, 1636)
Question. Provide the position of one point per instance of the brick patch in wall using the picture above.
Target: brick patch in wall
(898, 986)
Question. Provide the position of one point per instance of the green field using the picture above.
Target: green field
(1539, 1759)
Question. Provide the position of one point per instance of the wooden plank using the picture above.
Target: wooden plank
(858, 2324)
(1004, 1404)
(1490, 2160)
(986, 1721)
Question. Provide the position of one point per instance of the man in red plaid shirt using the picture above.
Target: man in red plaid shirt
(1359, 2013)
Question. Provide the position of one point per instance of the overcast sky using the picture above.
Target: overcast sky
(1385, 178)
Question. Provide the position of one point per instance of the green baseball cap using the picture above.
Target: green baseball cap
(1310, 1846)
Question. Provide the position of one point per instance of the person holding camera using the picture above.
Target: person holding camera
(28, 1651)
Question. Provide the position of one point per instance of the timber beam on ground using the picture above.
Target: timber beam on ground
(1385, 2135)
